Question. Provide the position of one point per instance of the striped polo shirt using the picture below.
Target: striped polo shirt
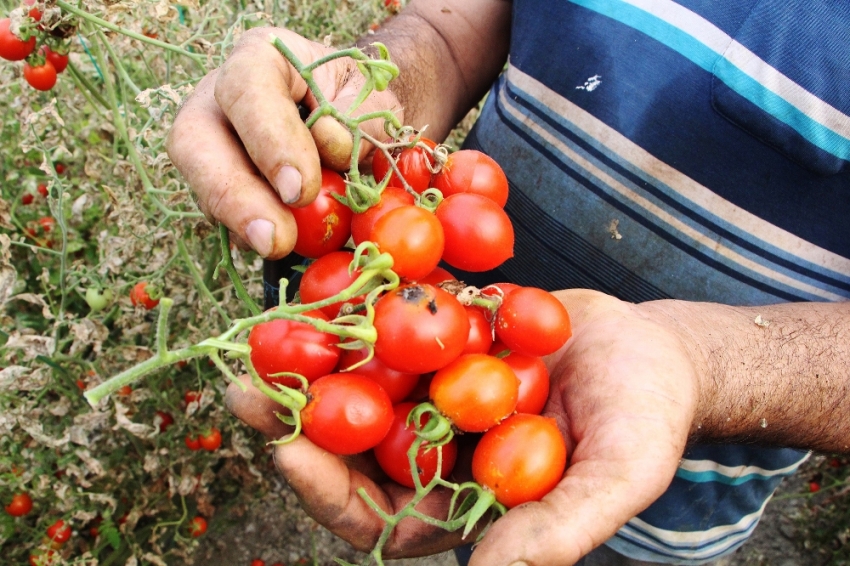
(695, 150)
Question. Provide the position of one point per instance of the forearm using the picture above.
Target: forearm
(448, 52)
(773, 375)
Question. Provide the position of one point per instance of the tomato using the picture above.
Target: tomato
(140, 295)
(475, 392)
(40, 77)
(499, 289)
(42, 190)
(98, 300)
(346, 413)
(197, 526)
(391, 452)
(391, 198)
(192, 396)
(193, 443)
(124, 390)
(47, 223)
(211, 440)
(397, 384)
(421, 328)
(59, 60)
(480, 333)
(479, 235)
(439, 275)
(520, 460)
(532, 321)
(27, 198)
(413, 164)
(13, 48)
(258, 562)
(162, 421)
(60, 168)
(413, 236)
(291, 346)
(326, 277)
(20, 505)
(59, 532)
(470, 171)
(324, 225)
(533, 381)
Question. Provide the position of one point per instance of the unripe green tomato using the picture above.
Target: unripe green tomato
(97, 299)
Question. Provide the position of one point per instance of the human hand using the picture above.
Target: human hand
(241, 144)
(624, 392)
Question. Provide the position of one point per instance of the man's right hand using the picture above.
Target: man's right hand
(241, 144)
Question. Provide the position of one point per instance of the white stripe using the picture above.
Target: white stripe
(751, 64)
(690, 191)
(699, 466)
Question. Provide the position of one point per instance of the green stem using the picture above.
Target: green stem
(199, 281)
(227, 263)
(87, 88)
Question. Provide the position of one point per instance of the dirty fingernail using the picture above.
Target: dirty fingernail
(288, 184)
(260, 234)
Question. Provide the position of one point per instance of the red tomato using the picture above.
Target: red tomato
(439, 275)
(27, 198)
(60, 168)
(475, 392)
(59, 532)
(470, 171)
(499, 289)
(533, 381)
(59, 60)
(124, 390)
(522, 459)
(391, 198)
(139, 295)
(421, 328)
(47, 223)
(197, 526)
(412, 162)
(324, 225)
(397, 384)
(20, 505)
(347, 413)
(413, 236)
(480, 332)
(391, 453)
(42, 189)
(478, 233)
(292, 346)
(211, 440)
(163, 420)
(258, 562)
(40, 77)
(193, 443)
(326, 277)
(13, 48)
(532, 321)
(191, 396)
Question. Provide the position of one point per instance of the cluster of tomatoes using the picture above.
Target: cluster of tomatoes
(44, 52)
(474, 355)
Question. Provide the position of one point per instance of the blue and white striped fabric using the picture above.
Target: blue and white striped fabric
(696, 150)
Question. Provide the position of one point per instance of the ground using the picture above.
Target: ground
(276, 530)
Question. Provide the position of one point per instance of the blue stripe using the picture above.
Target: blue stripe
(714, 476)
(708, 59)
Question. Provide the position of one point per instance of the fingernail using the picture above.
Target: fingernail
(260, 234)
(288, 184)
(519, 563)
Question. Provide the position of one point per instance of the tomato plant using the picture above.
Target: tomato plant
(414, 164)
(391, 198)
(397, 384)
(140, 295)
(326, 277)
(12, 47)
(324, 225)
(475, 392)
(283, 345)
(346, 413)
(413, 236)
(40, 77)
(98, 300)
(197, 526)
(479, 235)
(210, 440)
(420, 328)
(20, 505)
(532, 321)
(520, 460)
(391, 452)
(470, 171)
(59, 532)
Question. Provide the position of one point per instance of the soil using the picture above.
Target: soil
(276, 530)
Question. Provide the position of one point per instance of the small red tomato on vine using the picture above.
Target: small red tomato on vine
(124, 390)
(40, 77)
(42, 189)
(192, 396)
(326, 277)
(20, 505)
(413, 236)
(391, 198)
(324, 225)
(27, 198)
(59, 532)
(478, 233)
(193, 443)
(814, 487)
(163, 420)
(12, 47)
(414, 164)
(59, 167)
(140, 294)
(47, 223)
(211, 440)
(59, 60)
(197, 526)
(532, 321)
